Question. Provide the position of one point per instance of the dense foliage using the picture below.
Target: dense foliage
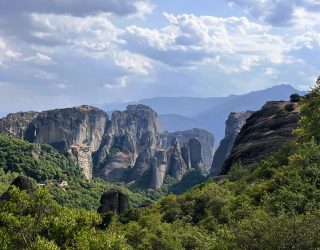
(47, 167)
(274, 204)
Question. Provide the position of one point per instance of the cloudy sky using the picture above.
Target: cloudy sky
(57, 53)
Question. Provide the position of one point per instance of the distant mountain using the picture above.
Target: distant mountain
(214, 118)
(173, 123)
(207, 113)
(184, 106)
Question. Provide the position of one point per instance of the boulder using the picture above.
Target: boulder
(23, 183)
(113, 201)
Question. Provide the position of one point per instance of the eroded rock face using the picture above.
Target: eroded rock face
(82, 155)
(206, 140)
(159, 166)
(234, 123)
(167, 162)
(113, 201)
(136, 134)
(61, 128)
(265, 132)
(126, 148)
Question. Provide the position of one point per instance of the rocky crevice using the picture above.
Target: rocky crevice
(234, 123)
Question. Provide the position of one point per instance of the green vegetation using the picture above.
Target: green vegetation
(46, 166)
(295, 97)
(274, 204)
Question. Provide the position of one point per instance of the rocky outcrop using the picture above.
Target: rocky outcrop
(125, 149)
(135, 134)
(159, 168)
(23, 183)
(64, 129)
(234, 123)
(82, 155)
(113, 201)
(201, 141)
(265, 132)
(167, 162)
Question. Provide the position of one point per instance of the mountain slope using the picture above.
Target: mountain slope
(264, 133)
(213, 119)
(208, 113)
(173, 122)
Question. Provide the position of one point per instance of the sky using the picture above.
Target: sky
(56, 53)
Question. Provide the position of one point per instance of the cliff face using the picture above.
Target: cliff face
(126, 148)
(234, 123)
(197, 147)
(135, 136)
(64, 129)
(265, 132)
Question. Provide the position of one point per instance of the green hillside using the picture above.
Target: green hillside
(47, 167)
(274, 204)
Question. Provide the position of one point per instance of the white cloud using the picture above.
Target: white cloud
(300, 14)
(143, 8)
(197, 38)
(134, 63)
(7, 54)
(120, 83)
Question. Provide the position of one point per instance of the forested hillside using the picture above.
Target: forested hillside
(274, 204)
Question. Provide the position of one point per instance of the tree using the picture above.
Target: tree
(295, 97)
(310, 115)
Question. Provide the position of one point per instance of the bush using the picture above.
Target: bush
(295, 97)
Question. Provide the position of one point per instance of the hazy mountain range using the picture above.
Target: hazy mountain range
(181, 113)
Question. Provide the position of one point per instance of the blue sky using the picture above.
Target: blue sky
(65, 53)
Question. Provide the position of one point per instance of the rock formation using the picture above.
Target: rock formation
(23, 183)
(265, 132)
(113, 201)
(205, 146)
(126, 148)
(234, 123)
(134, 134)
(82, 155)
(63, 129)
(167, 162)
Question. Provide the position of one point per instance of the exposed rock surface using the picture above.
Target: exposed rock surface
(127, 148)
(61, 128)
(113, 201)
(234, 123)
(82, 155)
(23, 183)
(168, 161)
(206, 147)
(134, 134)
(265, 131)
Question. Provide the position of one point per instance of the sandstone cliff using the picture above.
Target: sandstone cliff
(265, 131)
(234, 123)
(64, 129)
(197, 147)
(134, 137)
(126, 148)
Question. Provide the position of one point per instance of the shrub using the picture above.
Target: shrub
(295, 97)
